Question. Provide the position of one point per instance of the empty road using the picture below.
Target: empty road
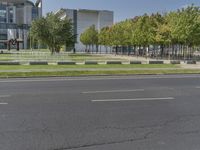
(101, 113)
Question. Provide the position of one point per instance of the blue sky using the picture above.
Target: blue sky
(122, 8)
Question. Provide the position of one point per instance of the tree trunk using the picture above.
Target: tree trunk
(97, 48)
(52, 50)
(162, 51)
(147, 52)
(116, 50)
(100, 48)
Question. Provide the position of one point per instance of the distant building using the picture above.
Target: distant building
(83, 19)
(15, 20)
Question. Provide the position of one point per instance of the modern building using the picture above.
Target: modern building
(84, 18)
(15, 20)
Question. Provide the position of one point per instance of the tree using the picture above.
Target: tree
(53, 31)
(84, 38)
(90, 37)
(176, 33)
(103, 37)
(185, 28)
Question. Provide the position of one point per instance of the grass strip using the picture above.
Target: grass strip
(88, 73)
(6, 67)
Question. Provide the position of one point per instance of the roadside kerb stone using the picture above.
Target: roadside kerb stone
(156, 62)
(175, 62)
(38, 63)
(135, 62)
(191, 62)
(113, 62)
(91, 63)
(66, 63)
(9, 63)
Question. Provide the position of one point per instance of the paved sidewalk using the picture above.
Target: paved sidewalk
(188, 66)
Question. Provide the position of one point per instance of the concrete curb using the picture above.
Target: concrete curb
(96, 63)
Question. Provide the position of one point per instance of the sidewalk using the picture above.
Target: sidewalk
(187, 66)
(135, 58)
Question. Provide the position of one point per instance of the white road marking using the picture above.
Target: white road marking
(4, 96)
(3, 103)
(113, 91)
(136, 99)
(52, 79)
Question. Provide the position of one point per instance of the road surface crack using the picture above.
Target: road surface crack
(144, 137)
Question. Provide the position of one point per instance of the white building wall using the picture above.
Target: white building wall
(14, 14)
(27, 15)
(20, 15)
(69, 14)
(105, 18)
(87, 18)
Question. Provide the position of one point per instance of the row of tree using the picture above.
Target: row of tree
(175, 34)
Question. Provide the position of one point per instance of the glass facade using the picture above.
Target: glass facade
(15, 20)
(11, 15)
(3, 13)
(3, 36)
(34, 13)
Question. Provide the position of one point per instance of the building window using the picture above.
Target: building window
(3, 14)
(34, 13)
(3, 36)
(3, 26)
(11, 15)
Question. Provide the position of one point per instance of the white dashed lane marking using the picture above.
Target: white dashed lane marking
(3, 103)
(4, 96)
(113, 91)
(136, 99)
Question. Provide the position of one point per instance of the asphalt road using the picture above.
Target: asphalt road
(101, 113)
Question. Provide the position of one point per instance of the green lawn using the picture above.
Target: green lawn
(86, 73)
(46, 56)
(42, 70)
(83, 57)
(29, 67)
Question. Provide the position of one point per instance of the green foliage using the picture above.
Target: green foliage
(53, 31)
(177, 27)
(185, 26)
(89, 36)
(103, 36)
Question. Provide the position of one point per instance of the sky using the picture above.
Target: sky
(123, 9)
